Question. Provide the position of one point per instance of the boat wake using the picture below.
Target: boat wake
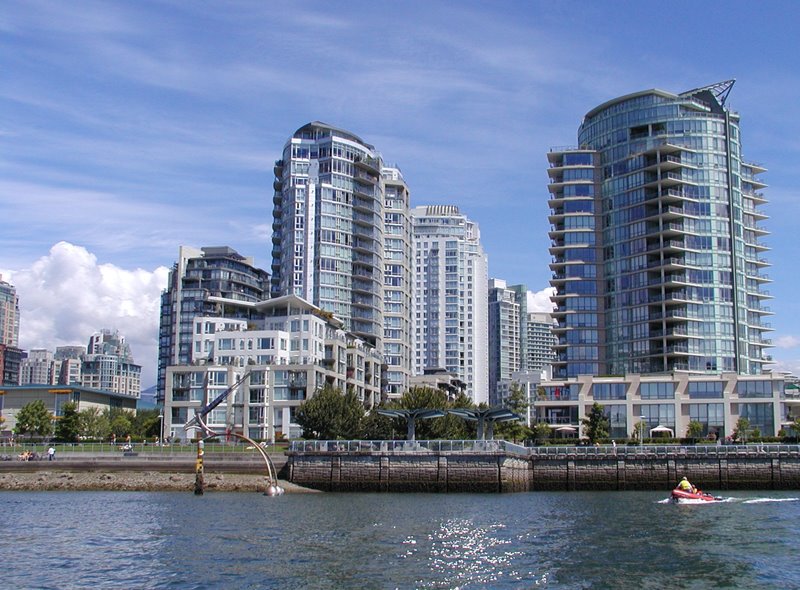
(764, 500)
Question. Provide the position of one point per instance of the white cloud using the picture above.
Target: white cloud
(787, 341)
(540, 300)
(67, 295)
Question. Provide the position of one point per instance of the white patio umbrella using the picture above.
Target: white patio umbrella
(659, 429)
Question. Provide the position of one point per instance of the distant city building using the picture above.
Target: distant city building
(197, 276)
(109, 366)
(540, 351)
(9, 314)
(398, 284)
(286, 356)
(11, 359)
(505, 344)
(519, 341)
(39, 368)
(451, 297)
(328, 227)
(70, 361)
(656, 240)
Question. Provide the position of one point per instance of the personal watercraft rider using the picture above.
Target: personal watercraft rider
(685, 486)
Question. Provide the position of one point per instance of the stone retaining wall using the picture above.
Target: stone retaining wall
(501, 472)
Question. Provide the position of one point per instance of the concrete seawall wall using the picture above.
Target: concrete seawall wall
(503, 472)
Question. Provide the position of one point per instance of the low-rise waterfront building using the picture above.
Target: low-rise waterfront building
(14, 397)
(667, 403)
(272, 364)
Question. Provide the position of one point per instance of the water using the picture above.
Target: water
(65, 540)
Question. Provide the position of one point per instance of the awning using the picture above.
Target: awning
(566, 429)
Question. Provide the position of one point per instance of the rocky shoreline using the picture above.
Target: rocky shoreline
(137, 481)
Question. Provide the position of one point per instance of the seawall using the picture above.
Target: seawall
(510, 468)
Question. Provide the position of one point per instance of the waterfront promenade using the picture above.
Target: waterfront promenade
(413, 466)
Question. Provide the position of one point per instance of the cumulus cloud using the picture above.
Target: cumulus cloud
(66, 296)
(540, 300)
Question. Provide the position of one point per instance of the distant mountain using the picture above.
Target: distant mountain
(148, 399)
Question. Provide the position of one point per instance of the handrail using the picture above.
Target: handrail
(496, 446)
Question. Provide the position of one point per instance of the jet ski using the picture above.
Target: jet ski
(684, 495)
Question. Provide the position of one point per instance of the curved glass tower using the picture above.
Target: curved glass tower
(656, 229)
(328, 227)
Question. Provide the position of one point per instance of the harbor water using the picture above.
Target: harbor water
(571, 540)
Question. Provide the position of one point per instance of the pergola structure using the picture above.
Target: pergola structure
(411, 417)
(486, 419)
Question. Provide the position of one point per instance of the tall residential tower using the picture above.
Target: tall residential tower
(656, 240)
(451, 297)
(327, 229)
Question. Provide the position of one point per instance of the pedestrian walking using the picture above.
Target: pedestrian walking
(51, 453)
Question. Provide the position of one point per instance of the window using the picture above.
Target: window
(601, 391)
(659, 390)
(754, 388)
(705, 389)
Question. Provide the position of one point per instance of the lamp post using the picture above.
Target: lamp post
(161, 427)
(642, 426)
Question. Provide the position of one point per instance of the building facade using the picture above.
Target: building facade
(9, 314)
(398, 281)
(451, 297)
(108, 365)
(39, 367)
(328, 227)
(665, 404)
(539, 354)
(14, 398)
(198, 275)
(656, 240)
(273, 364)
(505, 335)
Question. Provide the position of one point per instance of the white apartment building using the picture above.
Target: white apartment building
(284, 358)
(398, 303)
(451, 297)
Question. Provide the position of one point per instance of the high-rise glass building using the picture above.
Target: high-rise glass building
(328, 227)
(656, 234)
(505, 326)
(450, 297)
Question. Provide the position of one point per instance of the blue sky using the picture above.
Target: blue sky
(130, 128)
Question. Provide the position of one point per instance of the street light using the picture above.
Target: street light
(642, 426)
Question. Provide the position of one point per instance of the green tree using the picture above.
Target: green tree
(596, 423)
(740, 431)
(796, 427)
(331, 414)
(68, 427)
(541, 431)
(517, 402)
(378, 427)
(638, 431)
(34, 419)
(145, 424)
(694, 430)
(120, 422)
(94, 424)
